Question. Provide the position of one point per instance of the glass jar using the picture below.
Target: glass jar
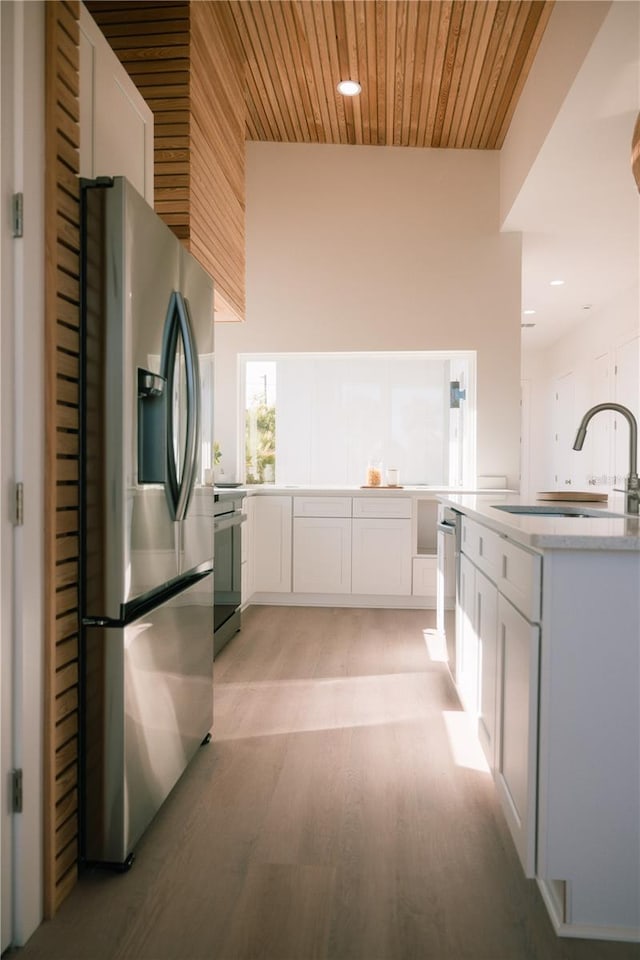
(374, 473)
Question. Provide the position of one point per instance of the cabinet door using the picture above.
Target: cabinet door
(467, 679)
(516, 774)
(487, 634)
(381, 557)
(272, 544)
(322, 555)
(116, 124)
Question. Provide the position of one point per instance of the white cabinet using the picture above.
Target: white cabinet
(554, 642)
(116, 124)
(467, 680)
(517, 699)
(322, 554)
(425, 576)
(381, 556)
(486, 612)
(272, 544)
(497, 668)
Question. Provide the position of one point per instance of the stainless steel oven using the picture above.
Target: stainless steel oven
(227, 565)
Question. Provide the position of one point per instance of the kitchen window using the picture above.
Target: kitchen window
(319, 418)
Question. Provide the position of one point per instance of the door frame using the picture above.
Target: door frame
(6, 474)
(22, 549)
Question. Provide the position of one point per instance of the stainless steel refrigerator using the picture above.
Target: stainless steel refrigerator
(147, 517)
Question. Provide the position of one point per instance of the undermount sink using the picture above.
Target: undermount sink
(549, 511)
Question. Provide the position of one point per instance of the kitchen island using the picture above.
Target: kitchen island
(548, 666)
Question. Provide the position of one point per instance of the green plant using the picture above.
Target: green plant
(260, 441)
(217, 453)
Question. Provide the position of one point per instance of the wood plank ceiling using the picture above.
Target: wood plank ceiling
(433, 74)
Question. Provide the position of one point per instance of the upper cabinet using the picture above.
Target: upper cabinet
(185, 62)
(116, 125)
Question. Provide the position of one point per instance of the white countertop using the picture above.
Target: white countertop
(549, 532)
(327, 490)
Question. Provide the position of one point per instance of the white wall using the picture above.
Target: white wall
(568, 36)
(380, 248)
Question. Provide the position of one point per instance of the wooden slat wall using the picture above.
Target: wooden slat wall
(217, 157)
(62, 353)
(183, 60)
(434, 73)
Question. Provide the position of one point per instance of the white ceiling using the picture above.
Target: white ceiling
(579, 209)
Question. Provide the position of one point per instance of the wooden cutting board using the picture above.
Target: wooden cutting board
(575, 496)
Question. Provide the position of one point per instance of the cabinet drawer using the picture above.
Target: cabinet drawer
(520, 579)
(425, 574)
(514, 570)
(393, 507)
(322, 506)
(483, 547)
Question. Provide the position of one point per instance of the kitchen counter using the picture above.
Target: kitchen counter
(271, 489)
(549, 532)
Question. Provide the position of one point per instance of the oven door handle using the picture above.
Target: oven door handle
(228, 520)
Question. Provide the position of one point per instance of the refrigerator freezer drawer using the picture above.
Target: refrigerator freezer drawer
(148, 706)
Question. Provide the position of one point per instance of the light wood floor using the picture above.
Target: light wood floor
(340, 812)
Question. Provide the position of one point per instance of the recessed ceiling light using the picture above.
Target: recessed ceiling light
(528, 313)
(557, 283)
(349, 88)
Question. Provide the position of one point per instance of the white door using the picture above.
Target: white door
(6, 469)
(21, 460)
(565, 426)
(597, 448)
(627, 392)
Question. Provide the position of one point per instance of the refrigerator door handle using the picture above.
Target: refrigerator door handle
(167, 366)
(178, 328)
(193, 409)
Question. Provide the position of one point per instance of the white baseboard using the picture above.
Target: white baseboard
(582, 930)
(343, 600)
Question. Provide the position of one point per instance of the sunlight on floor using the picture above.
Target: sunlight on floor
(300, 706)
(464, 744)
(436, 645)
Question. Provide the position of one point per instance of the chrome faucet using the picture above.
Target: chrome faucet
(632, 483)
